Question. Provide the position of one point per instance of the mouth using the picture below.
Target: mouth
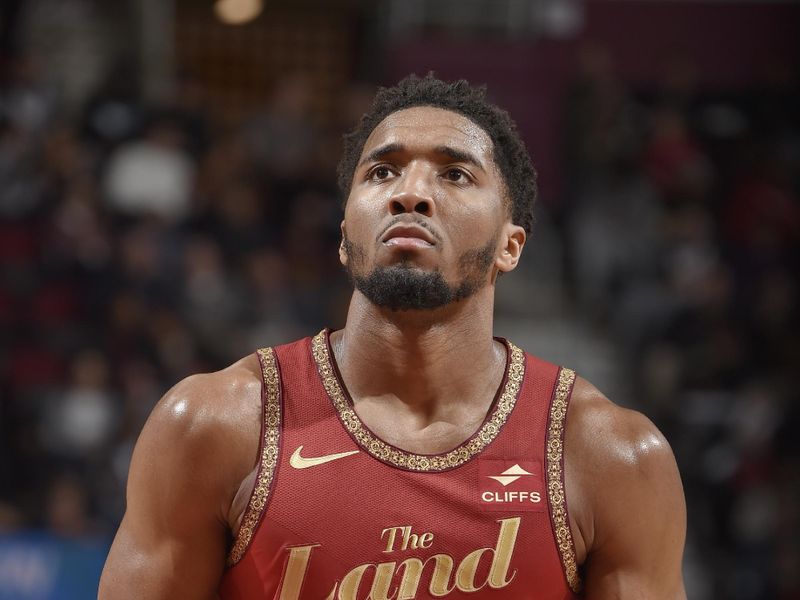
(408, 236)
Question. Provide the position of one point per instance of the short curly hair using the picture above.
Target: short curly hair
(510, 154)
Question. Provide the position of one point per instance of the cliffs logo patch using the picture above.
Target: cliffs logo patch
(505, 485)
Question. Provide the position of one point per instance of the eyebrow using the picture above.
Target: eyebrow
(382, 152)
(459, 156)
(448, 151)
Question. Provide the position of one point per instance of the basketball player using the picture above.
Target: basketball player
(410, 454)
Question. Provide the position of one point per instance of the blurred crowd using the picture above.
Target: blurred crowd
(142, 242)
(682, 217)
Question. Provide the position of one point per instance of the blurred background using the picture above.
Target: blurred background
(168, 204)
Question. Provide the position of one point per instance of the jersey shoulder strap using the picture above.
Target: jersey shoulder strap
(268, 450)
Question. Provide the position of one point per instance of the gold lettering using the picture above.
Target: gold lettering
(441, 575)
(348, 590)
(465, 575)
(351, 582)
(413, 568)
(412, 574)
(392, 531)
(409, 537)
(503, 552)
(383, 579)
(295, 571)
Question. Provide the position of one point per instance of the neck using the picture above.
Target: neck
(425, 359)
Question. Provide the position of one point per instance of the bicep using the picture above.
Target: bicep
(171, 543)
(641, 526)
(153, 567)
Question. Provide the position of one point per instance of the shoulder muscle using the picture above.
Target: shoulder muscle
(629, 501)
(200, 441)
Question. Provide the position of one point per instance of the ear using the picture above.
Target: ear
(513, 238)
(342, 249)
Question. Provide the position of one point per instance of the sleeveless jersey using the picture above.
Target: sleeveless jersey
(336, 513)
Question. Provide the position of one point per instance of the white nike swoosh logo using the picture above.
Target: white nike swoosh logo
(301, 462)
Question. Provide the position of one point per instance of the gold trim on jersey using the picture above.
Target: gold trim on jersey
(515, 371)
(268, 459)
(555, 477)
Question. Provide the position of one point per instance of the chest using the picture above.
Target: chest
(339, 513)
(343, 524)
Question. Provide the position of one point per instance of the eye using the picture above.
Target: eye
(456, 175)
(379, 173)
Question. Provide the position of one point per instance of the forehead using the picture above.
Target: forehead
(431, 127)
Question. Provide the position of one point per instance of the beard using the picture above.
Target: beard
(406, 287)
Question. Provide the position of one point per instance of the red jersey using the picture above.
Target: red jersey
(338, 514)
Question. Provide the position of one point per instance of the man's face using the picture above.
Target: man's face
(426, 220)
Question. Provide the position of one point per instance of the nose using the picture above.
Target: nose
(413, 194)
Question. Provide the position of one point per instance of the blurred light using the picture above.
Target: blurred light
(238, 12)
(562, 18)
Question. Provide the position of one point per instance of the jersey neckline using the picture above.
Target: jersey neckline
(502, 405)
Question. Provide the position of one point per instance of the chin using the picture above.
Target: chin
(409, 260)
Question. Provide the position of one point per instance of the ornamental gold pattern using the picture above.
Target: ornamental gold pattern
(408, 460)
(555, 477)
(268, 459)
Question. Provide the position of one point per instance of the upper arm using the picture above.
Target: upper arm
(173, 537)
(630, 491)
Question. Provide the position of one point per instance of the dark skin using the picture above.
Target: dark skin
(422, 380)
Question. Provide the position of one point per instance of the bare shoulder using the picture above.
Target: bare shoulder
(197, 447)
(202, 438)
(624, 492)
(206, 428)
(607, 438)
(203, 403)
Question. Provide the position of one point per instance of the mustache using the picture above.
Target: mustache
(409, 221)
